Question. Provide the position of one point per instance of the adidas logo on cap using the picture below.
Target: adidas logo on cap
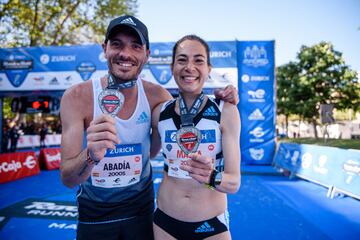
(128, 21)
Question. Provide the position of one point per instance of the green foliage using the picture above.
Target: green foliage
(7, 114)
(58, 22)
(286, 88)
(340, 143)
(319, 76)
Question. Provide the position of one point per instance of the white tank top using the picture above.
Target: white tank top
(207, 121)
(126, 171)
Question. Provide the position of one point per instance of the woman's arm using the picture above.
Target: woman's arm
(230, 129)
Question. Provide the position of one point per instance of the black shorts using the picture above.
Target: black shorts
(191, 230)
(133, 228)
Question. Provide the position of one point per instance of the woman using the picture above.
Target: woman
(201, 149)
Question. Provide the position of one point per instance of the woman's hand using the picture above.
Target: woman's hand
(199, 167)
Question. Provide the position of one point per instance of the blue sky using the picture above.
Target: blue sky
(290, 23)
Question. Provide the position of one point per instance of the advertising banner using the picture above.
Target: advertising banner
(49, 68)
(50, 158)
(58, 68)
(222, 57)
(17, 165)
(249, 65)
(328, 166)
(30, 141)
(257, 100)
(56, 219)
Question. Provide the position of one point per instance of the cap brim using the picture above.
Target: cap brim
(117, 27)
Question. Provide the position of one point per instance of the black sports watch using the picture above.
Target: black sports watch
(215, 179)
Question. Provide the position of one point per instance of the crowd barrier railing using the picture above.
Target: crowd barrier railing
(335, 168)
(18, 165)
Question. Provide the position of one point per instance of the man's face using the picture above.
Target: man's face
(126, 55)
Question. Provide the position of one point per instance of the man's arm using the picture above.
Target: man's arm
(156, 95)
(228, 94)
(155, 136)
(76, 105)
(73, 168)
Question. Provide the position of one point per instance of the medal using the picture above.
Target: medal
(111, 99)
(188, 137)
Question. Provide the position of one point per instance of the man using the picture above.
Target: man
(112, 167)
(42, 133)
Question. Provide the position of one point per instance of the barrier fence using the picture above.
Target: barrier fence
(23, 164)
(335, 168)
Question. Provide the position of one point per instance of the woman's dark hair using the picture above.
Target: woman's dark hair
(194, 38)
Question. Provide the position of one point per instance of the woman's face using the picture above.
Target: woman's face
(190, 68)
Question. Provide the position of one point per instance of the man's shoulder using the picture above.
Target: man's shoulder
(149, 86)
(78, 96)
(79, 90)
(155, 93)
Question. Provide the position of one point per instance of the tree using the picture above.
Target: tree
(287, 81)
(58, 22)
(322, 78)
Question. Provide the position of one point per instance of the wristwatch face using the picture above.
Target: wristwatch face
(218, 178)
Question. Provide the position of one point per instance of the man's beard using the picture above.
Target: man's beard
(125, 76)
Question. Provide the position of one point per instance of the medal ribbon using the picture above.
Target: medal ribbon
(113, 85)
(186, 115)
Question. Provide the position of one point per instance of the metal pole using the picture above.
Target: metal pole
(1, 122)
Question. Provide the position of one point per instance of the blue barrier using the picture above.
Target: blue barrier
(335, 168)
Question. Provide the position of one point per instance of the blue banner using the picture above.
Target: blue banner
(58, 68)
(256, 68)
(246, 64)
(329, 166)
(222, 57)
(49, 68)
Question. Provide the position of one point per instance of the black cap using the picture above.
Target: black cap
(129, 21)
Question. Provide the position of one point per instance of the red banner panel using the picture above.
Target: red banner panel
(50, 157)
(18, 165)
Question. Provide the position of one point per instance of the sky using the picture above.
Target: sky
(290, 23)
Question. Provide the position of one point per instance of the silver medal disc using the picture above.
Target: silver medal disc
(188, 139)
(111, 101)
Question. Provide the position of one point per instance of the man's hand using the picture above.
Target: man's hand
(199, 167)
(101, 134)
(228, 94)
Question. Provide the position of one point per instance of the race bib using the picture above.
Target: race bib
(174, 168)
(120, 167)
(177, 157)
